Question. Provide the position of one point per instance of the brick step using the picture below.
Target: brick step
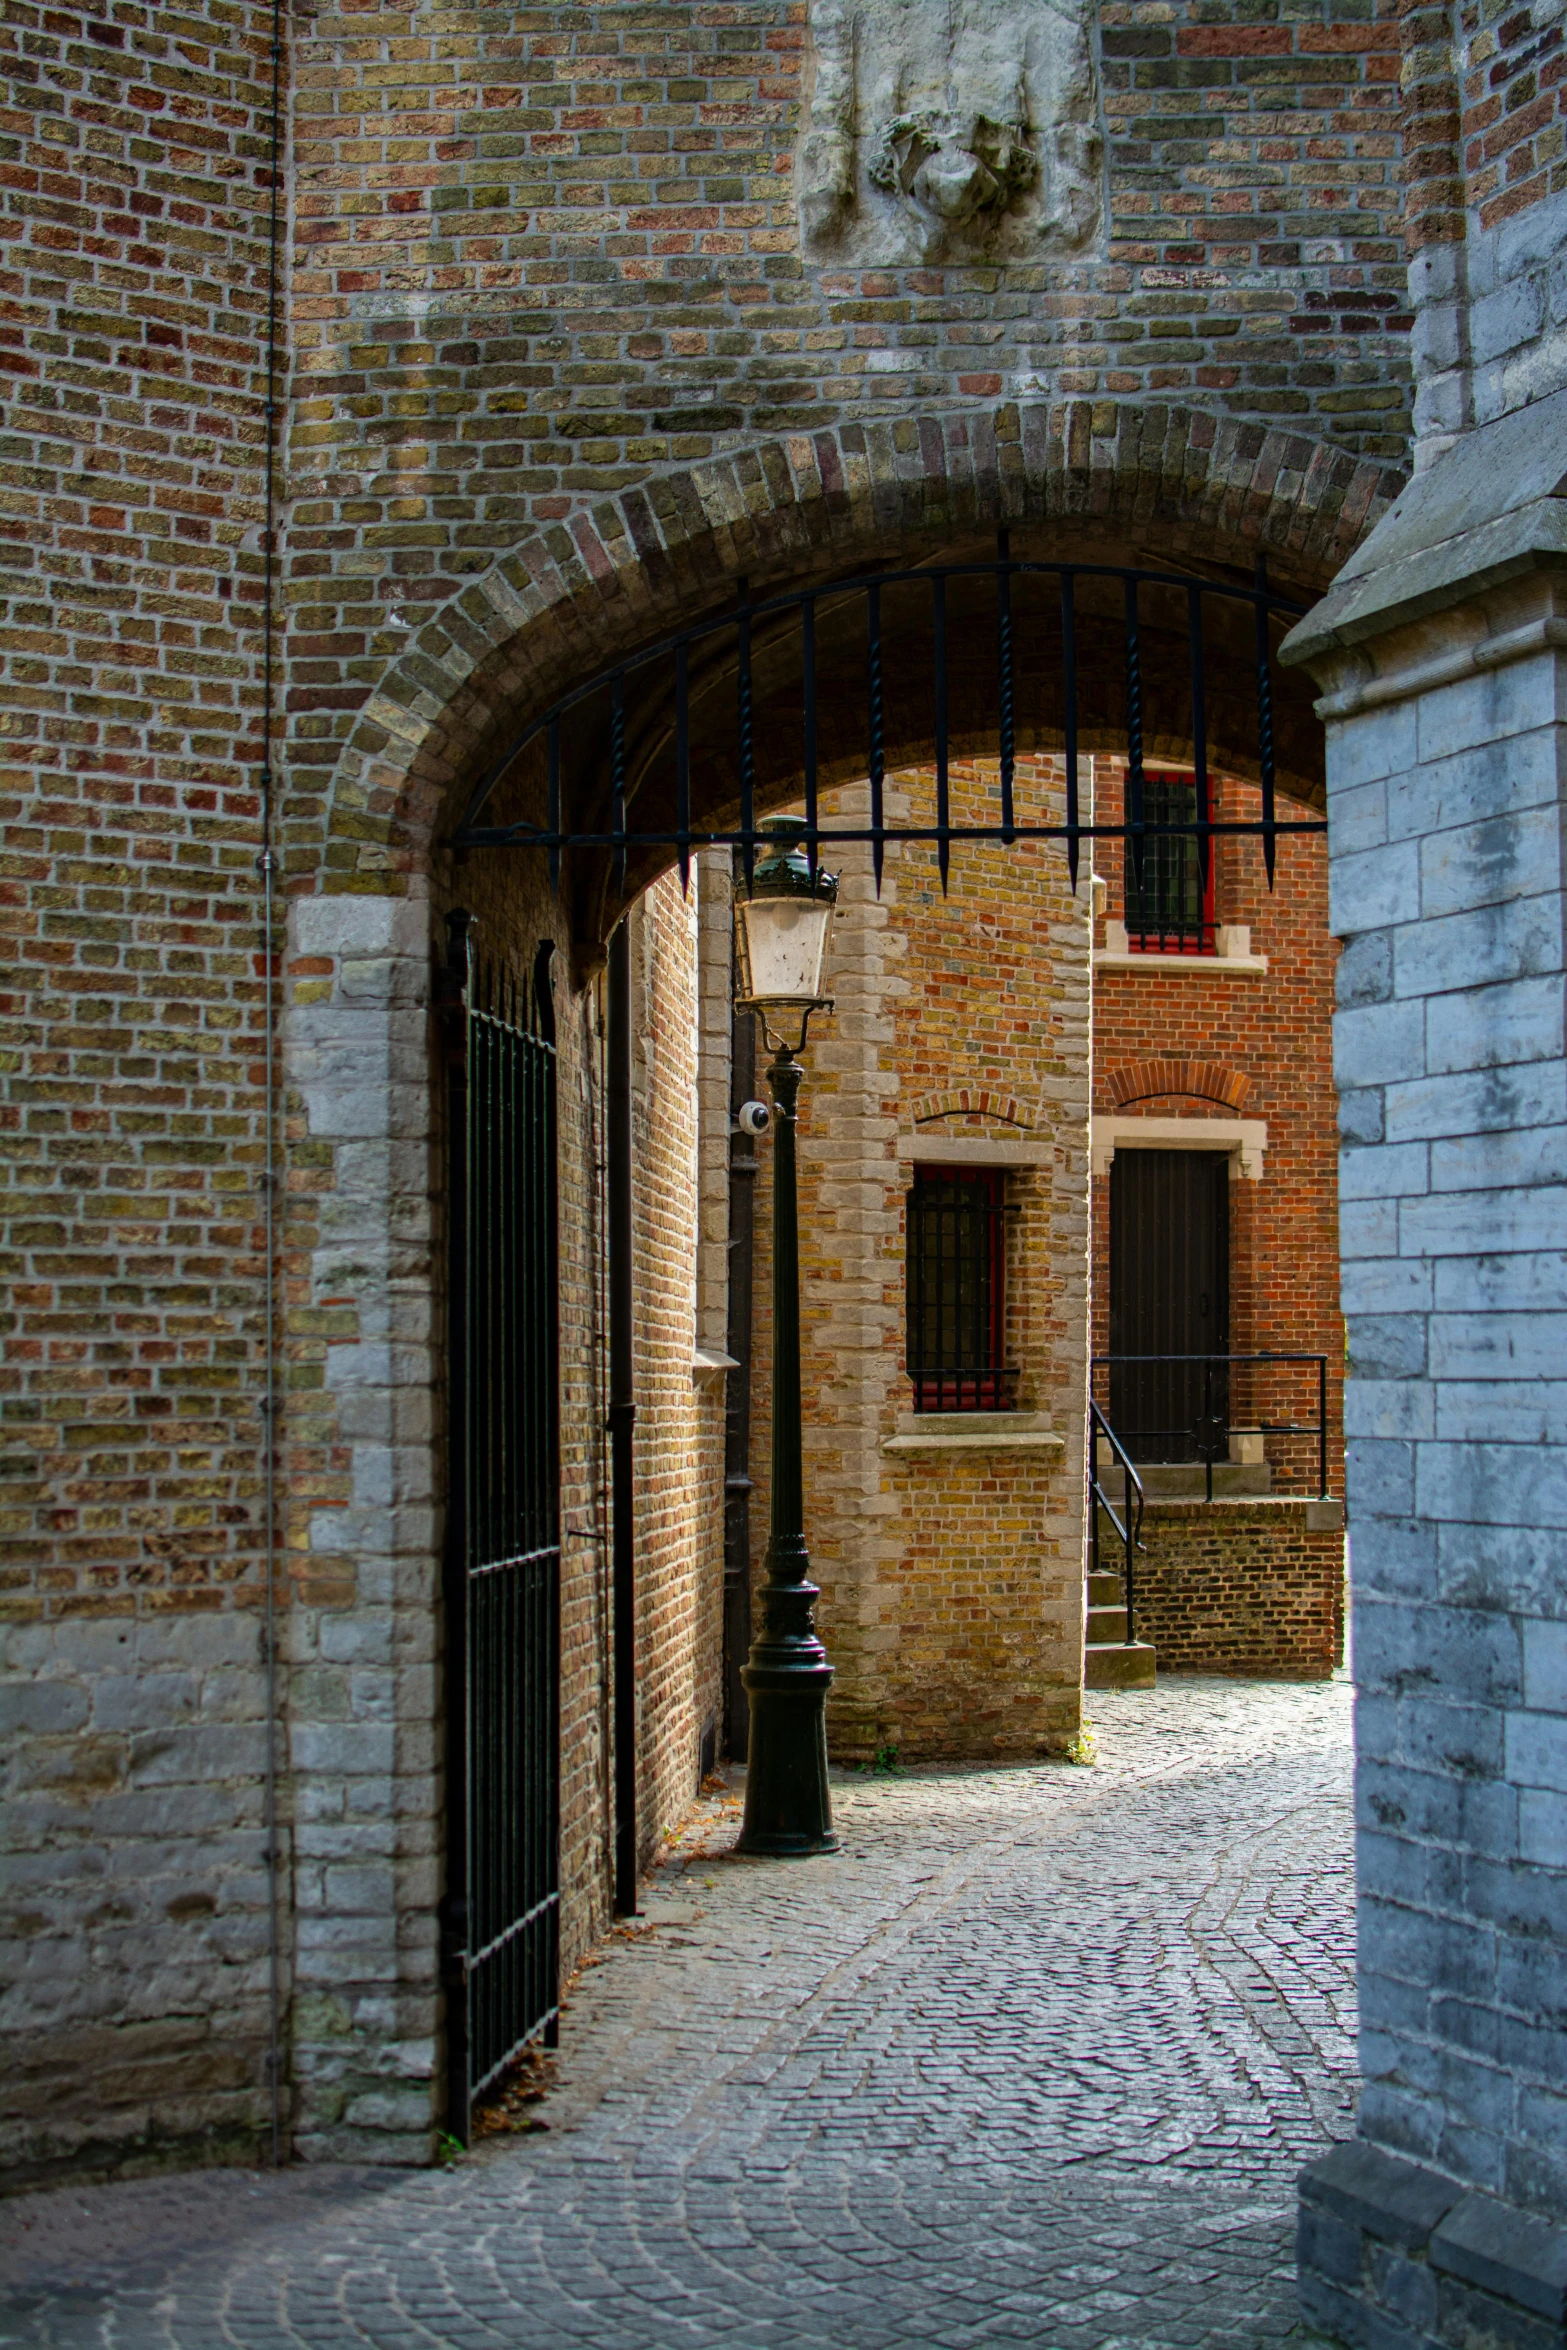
(1119, 1665)
(1106, 1623)
(1104, 1590)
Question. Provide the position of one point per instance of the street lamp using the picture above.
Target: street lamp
(783, 927)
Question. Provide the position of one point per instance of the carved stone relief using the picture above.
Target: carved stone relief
(949, 130)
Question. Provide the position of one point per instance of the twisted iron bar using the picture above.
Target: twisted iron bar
(1004, 658)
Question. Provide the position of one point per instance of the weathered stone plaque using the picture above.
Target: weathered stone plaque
(949, 130)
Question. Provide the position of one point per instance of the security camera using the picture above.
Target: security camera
(754, 1117)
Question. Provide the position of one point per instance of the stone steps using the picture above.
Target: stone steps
(1188, 1481)
(1119, 1665)
(1110, 1661)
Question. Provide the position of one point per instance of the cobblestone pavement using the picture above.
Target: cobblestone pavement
(1036, 2060)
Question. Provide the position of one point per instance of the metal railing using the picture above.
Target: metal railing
(1205, 1433)
(1128, 1521)
(501, 1907)
(824, 684)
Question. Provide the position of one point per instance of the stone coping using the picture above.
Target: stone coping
(1325, 1514)
(1395, 2256)
(1491, 507)
(973, 1432)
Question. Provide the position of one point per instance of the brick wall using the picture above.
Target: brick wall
(535, 263)
(679, 1429)
(1245, 1587)
(1255, 201)
(951, 1583)
(519, 430)
(135, 193)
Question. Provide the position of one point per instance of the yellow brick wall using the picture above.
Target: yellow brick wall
(951, 1581)
(680, 1427)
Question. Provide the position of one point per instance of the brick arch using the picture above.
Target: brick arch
(1136, 1081)
(969, 1101)
(1158, 483)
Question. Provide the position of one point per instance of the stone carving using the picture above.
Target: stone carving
(949, 130)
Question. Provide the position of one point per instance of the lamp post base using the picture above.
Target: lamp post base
(788, 1809)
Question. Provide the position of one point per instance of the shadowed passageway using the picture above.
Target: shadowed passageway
(1036, 2060)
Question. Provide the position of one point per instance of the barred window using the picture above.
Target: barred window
(956, 1259)
(1168, 911)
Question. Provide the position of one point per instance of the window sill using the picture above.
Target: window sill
(1205, 966)
(1234, 959)
(973, 1432)
(710, 1368)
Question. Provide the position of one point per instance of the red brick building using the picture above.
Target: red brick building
(1215, 1228)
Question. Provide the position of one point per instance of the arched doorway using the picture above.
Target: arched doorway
(1180, 494)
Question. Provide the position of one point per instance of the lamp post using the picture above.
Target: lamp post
(783, 928)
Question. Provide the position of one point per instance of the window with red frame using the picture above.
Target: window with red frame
(1169, 910)
(956, 1265)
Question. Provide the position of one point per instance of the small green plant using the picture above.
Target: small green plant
(1084, 1749)
(447, 2148)
(884, 1763)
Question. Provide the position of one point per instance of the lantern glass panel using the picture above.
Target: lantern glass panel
(783, 948)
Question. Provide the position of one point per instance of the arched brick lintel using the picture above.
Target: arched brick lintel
(1167, 482)
(971, 1102)
(1136, 1081)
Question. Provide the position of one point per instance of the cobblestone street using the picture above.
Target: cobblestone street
(1036, 2060)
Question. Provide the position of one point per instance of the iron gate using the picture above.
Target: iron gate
(502, 1907)
(785, 696)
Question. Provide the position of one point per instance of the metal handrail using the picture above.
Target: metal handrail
(1130, 1528)
(1198, 1429)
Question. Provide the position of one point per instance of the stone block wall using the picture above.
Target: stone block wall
(1396, 2257)
(361, 1529)
(1486, 167)
(1447, 889)
(1245, 1587)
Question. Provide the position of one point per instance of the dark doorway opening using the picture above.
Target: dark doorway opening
(1170, 1299)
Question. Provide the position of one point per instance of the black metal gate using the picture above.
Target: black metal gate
(1169, 1297)
(502, 1909)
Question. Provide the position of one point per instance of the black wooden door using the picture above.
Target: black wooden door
(1169, 1297)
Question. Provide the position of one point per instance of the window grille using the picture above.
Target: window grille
(956, 1259)
(1169, 898)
